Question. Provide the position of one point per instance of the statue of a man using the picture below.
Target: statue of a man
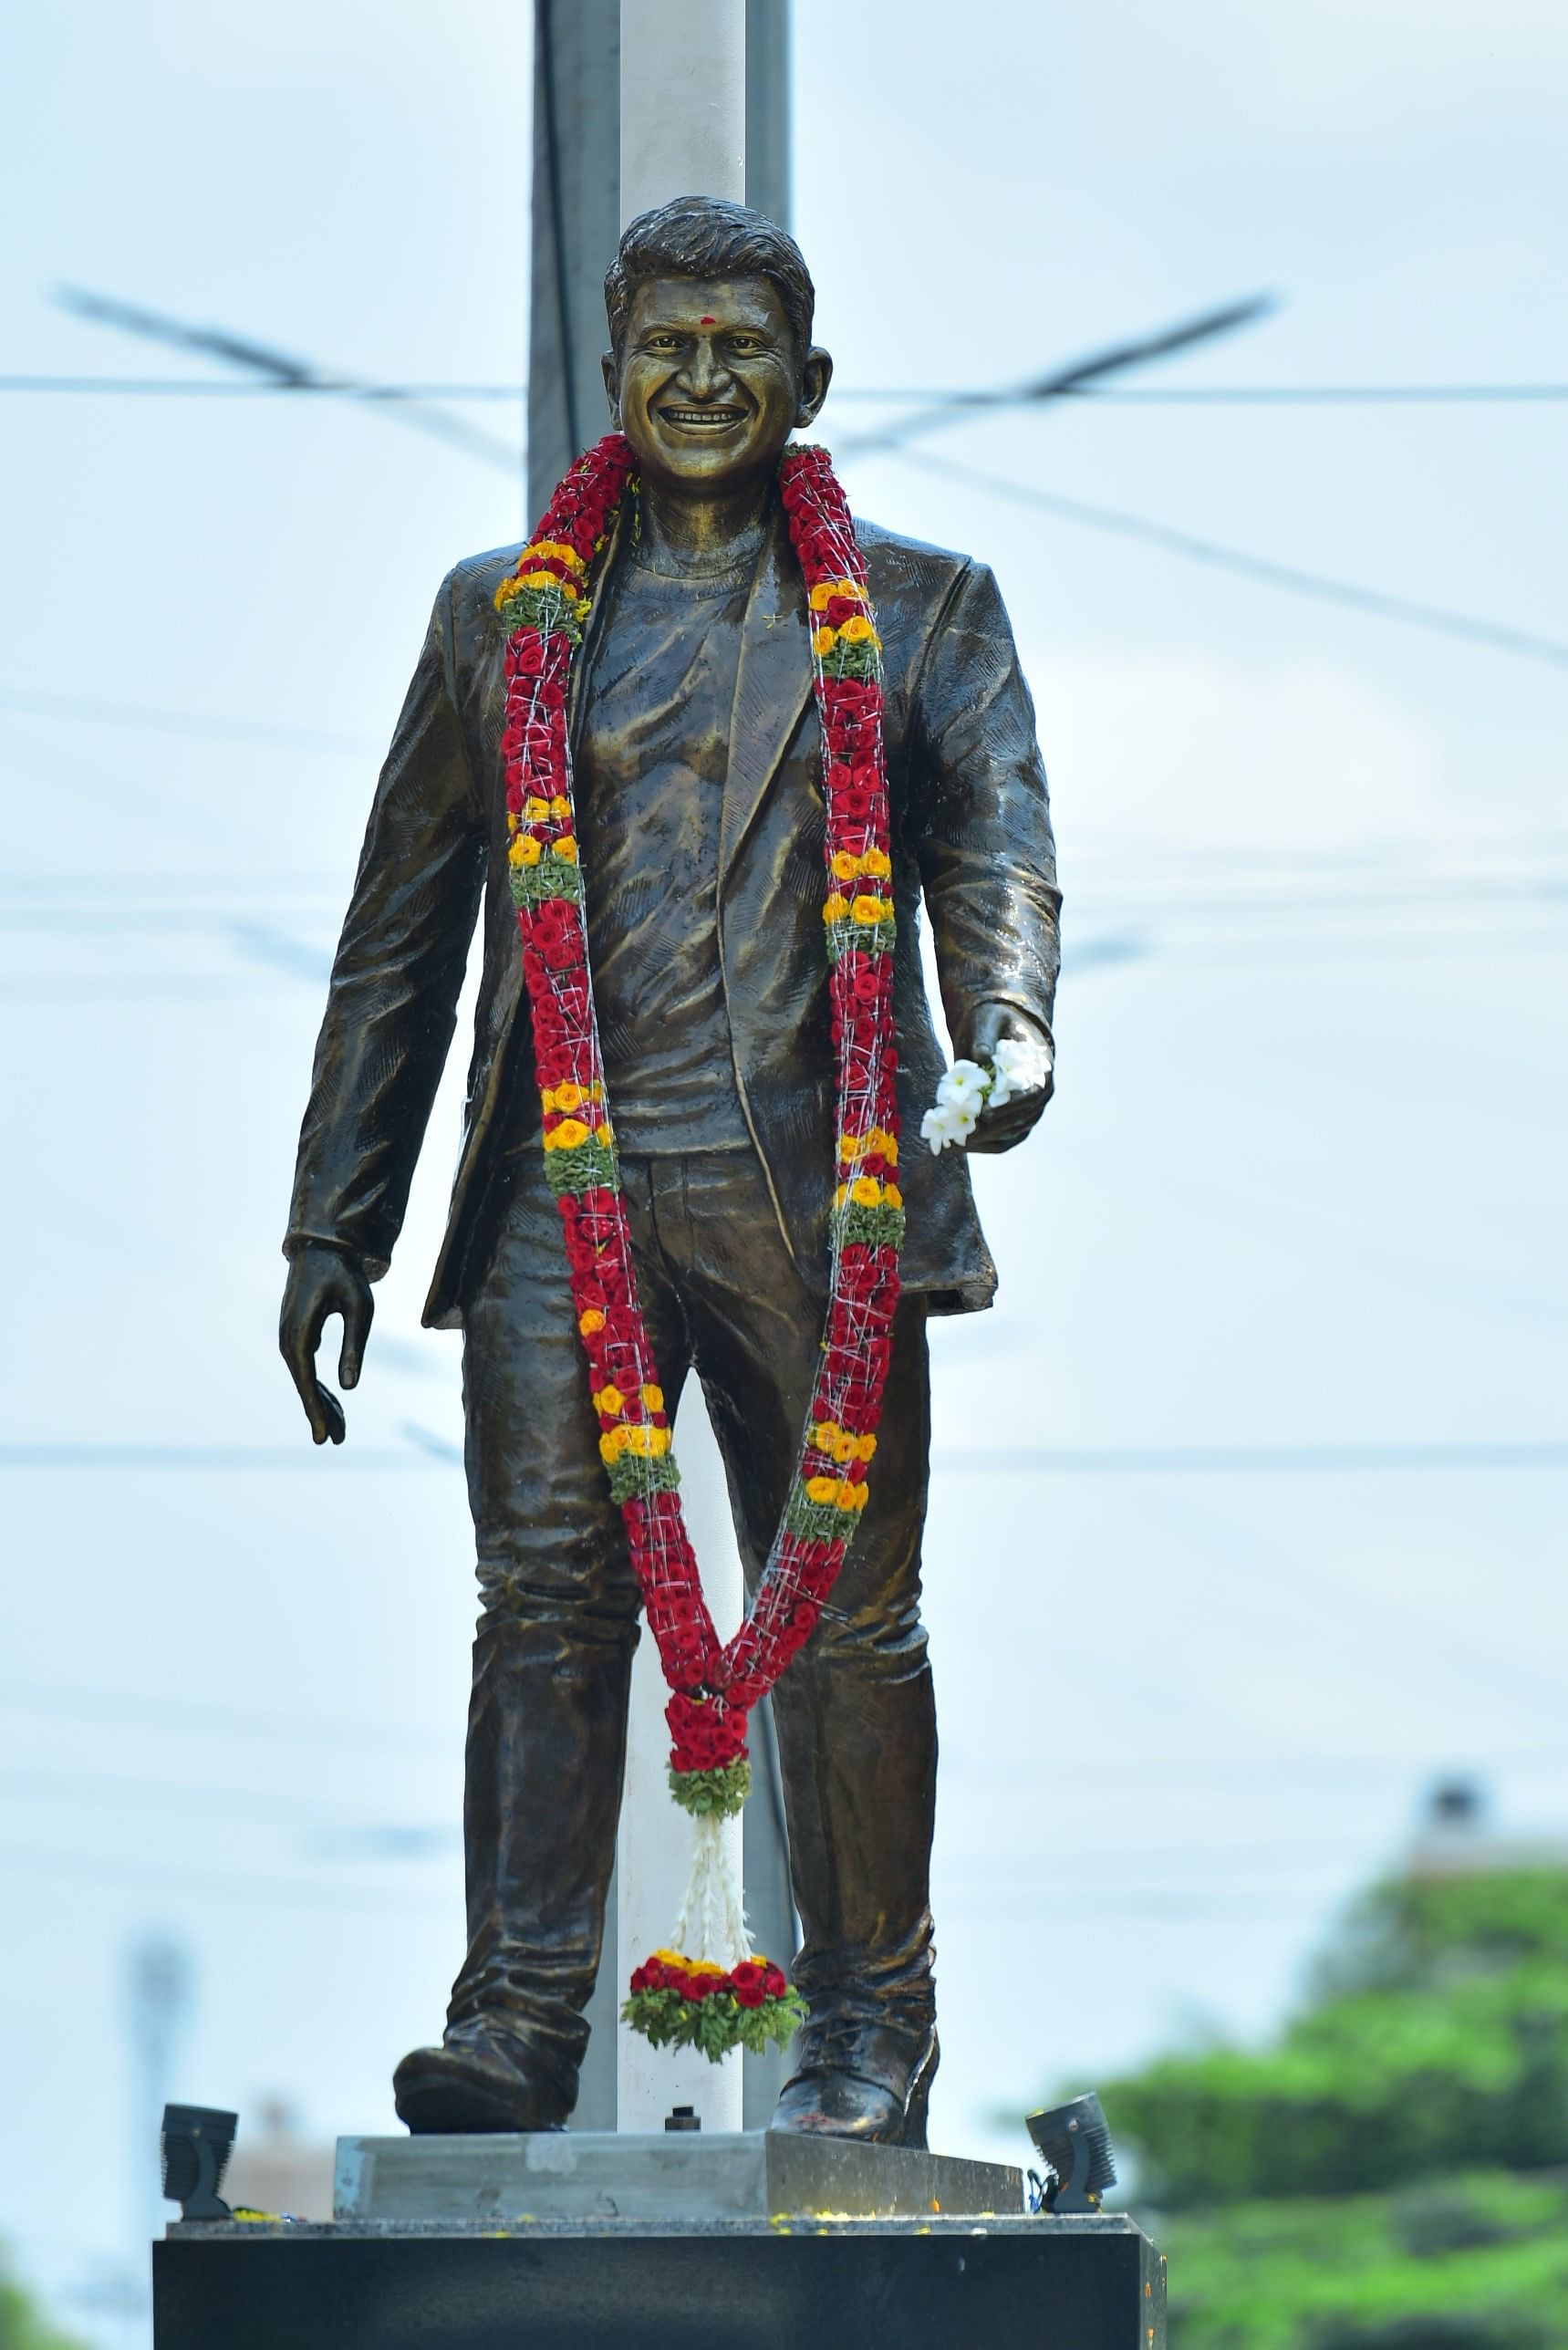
(700, 810)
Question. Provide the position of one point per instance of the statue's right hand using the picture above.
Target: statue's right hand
(322, 1282)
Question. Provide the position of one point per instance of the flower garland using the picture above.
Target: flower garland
(543, 605)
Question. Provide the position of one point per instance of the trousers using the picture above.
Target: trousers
(721, 1297)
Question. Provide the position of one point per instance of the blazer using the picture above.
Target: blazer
(971, 837)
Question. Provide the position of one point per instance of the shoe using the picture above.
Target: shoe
(474, 2083)
(832, 2101)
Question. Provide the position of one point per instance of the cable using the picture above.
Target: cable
(184, 721)
(1063, 380)
(1262, 395)
(184, 1716)
(242, 1459)
(427, 1451)
(330, 1894)
(1244, 1459)
(1496, 637)
(281, 371)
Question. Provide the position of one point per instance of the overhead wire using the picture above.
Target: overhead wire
(1261, 395)
(1497, 637)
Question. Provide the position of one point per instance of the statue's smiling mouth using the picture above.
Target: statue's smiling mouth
(714, 419)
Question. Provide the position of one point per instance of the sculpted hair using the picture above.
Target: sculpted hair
(702, 236)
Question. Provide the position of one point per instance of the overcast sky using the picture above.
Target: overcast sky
(1301, 1184)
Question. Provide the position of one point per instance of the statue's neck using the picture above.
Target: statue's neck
(702, 534)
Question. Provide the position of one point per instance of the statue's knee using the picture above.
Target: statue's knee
(564, 1584)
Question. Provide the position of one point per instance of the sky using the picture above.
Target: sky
(1237, 1537)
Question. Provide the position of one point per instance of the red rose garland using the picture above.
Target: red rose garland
(542, 605)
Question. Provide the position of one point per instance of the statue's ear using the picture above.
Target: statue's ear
(611, 366)
(815, 377)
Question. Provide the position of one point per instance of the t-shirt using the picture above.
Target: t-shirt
(651, 761)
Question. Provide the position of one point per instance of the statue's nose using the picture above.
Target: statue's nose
(705, 375)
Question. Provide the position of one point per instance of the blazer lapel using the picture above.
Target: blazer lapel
(772, 688)
(577, 684)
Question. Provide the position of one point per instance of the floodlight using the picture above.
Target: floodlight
(1076, 2144)
(197, 2143)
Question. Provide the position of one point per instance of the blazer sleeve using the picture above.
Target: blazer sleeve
(981, 814)
(391, 1003)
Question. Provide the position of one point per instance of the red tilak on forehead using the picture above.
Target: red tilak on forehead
(707, 322)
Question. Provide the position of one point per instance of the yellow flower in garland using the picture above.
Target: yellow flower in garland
(610, 1402)
(845, 867)
(838, 1490)
(560, 808)
(590, 1321)
(866, 1191)
(522, 850)
(867, 909)
(538, 809)
(647, 1444)
(570, 1135)
(823, 642)
(652, 1397)
(566, 1095)
(565, 848)
(828, 591)
(604, 1132)
(543, 547)
(877, 863)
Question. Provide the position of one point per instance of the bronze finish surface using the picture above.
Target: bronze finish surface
(709, 378)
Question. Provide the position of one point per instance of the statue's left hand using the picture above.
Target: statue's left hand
(988, 1023)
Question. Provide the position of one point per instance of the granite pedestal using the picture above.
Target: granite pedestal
(579, 2242)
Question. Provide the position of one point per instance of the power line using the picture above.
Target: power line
(1072, 1460)
(1261, 395)
(280, 370)
(933, 415)
(1268, 574)
(1245, 1459)
(185, 1716)
(310, 1459)
(164, 720)
(331, 1893)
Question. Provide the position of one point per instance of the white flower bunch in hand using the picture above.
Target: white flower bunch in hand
(1015, 1068)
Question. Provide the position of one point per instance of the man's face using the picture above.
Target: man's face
(707, 385)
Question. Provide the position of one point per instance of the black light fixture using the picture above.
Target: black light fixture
(197, 2142)
(1076, 2144)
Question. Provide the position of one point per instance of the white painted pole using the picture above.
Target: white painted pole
(682, 133)
(683, 101)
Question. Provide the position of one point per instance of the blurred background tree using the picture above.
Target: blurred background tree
(21, 2326)
(1393, 2174)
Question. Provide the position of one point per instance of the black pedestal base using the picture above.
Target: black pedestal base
(1053, 2284)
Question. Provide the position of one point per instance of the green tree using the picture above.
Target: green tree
(1437, 2038)
(1393, 2173)
(22, 2327)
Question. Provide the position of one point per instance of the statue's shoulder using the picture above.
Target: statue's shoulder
(477, 576)
(907, 570)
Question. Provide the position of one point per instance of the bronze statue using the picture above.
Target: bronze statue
(696, 753)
